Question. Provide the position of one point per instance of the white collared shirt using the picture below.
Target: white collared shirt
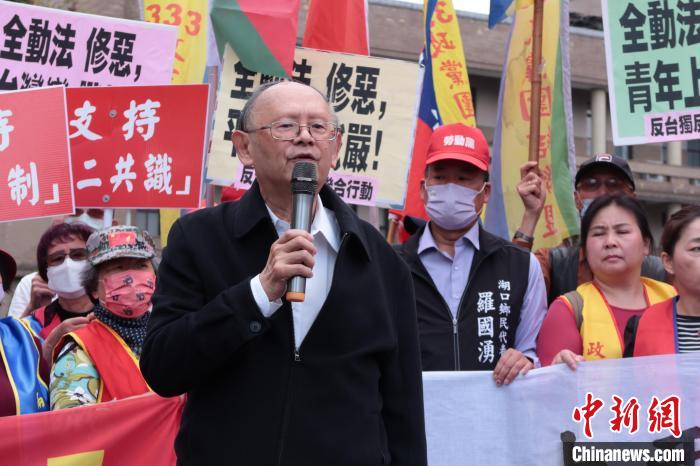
(326, 234)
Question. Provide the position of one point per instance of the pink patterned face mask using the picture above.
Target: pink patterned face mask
(128, 294)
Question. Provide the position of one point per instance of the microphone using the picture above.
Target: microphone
(303, 192)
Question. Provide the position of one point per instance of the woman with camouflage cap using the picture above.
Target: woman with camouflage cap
(99, 362)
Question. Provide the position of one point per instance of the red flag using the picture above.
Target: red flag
(137, 430)
(262, 33)
(338, 26)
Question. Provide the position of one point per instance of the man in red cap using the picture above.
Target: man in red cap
(480, 299)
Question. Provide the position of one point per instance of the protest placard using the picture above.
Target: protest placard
(34, 155)
(190, 17)
(374, 99)
(44, 46)
(138, 146)
(653, 65)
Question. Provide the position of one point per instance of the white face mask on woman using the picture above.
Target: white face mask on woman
(452, 206)
(65, 278)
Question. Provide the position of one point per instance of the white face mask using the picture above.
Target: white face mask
(2, 293)
(96, 223)
(64, 279)
(451, 206)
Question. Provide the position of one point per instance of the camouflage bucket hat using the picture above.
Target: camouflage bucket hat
(119, 241)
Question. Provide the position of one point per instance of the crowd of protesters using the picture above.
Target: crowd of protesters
(80, 324)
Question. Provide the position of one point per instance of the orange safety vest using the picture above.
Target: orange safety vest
(120, 375)
(656, 330)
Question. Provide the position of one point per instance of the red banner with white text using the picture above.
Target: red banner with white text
(138, 146)
(135, 431)
(34, 155)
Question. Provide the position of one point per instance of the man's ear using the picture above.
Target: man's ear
(423, 192)
(338, 145)
(487, 192)
(241, 141)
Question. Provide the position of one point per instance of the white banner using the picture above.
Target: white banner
(471, 421)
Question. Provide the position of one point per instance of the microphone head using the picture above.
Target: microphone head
(304, 178)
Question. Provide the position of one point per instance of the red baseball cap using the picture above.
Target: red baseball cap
(459, 142)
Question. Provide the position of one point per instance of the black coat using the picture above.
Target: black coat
(355, 396)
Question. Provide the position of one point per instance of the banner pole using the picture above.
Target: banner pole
(108, 217)
(536, 88)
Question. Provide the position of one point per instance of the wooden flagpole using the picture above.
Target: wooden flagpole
(536, 89)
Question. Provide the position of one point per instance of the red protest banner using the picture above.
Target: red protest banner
(35, 174)
(138, 146)
(133, 431)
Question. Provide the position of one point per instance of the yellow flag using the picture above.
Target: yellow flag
(511, 140)
(448, 65)
(191, 17)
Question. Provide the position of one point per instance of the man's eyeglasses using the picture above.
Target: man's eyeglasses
(613, 185)
(288, 130)
(57, 258)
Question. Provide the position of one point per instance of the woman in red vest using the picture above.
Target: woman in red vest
(589, 322)
(99, 362)
(673, 326)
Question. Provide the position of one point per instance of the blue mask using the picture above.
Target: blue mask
(586, 203)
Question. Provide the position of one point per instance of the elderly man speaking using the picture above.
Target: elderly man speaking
(333, 380)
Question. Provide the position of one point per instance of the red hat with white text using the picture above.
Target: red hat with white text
(459, 142)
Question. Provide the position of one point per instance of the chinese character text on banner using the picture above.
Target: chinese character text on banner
(138, 146)
(374, 100)
(653, 65)
(45, 46)
(444, 93)
(511, 139)
(35, 161)
(191, 18)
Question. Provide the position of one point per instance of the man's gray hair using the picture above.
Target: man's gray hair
(245, 118)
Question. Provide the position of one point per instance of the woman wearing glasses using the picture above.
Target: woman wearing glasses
(61, 259)
(588, 323)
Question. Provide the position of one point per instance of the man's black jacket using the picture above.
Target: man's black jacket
(455, 343)
(353, 398)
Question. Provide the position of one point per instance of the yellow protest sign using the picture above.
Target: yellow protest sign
(374, 99)
(191, 18)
